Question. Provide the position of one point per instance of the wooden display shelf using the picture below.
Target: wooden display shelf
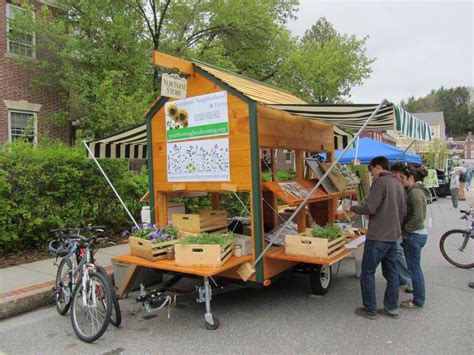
(279, 254)
(170, 265)
(319, 195)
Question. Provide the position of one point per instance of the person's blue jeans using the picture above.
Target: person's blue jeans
(405, 278)
(412, 245)
(376, 252)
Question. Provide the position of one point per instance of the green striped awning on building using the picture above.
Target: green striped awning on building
(389, 117)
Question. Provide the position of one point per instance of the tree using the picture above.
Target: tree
(456, 105)
(95, 52)
(245, 36)
(99, 52)
(325, 65)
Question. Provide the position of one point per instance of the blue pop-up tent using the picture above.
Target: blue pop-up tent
(370, 148)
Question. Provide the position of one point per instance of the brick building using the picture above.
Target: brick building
(23, 108)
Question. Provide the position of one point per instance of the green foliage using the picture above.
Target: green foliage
(456, 105)
(281, 175)
(228, 202)
(325, 65)
(437, 155)
(95, 52)
(56, 186)
(99, 52)
(330, 232)
(208, 238)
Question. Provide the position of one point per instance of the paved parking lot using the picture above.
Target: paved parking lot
(280, 319)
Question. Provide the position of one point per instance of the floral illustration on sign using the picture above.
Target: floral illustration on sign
(208, 160)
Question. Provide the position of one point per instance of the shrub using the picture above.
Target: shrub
(42, 188)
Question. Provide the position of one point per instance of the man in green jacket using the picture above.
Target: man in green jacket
(386, 207)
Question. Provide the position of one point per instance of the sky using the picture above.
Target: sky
(418, 45)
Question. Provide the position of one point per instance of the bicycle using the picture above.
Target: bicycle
(78, 261)
(456, 245)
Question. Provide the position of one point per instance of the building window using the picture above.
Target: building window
(19, 43)
(288, 156)
(22, 125)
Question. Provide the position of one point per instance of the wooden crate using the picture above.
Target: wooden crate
(337, 179)
(306, 245)
(147, 250)
(203, 254)
(203, 221)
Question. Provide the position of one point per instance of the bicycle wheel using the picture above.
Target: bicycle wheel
(458, 248)
(90, 314)
(116, 316)
(63, 286)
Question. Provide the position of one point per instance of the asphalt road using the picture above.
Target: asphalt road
(280, 319)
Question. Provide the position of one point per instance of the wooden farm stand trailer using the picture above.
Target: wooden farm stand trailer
(253, 125)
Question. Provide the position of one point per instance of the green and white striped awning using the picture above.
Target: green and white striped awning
(390, 117)
(132, 144)
(128, 144)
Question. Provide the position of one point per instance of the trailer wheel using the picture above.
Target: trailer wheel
(320, 279)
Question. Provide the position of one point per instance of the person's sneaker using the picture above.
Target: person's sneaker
(409, 304)
(361, 311)
(386, 313)
(409, 288)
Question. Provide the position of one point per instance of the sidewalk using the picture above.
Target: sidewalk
(28, 286)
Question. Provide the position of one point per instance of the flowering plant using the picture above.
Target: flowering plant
(154, 233)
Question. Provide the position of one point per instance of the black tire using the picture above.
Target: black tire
(97, 289)
(116, 315)
(63, 286)
(213, 326)
(450, 245)
(320, 279)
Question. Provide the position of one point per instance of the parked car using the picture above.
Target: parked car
(443, 181)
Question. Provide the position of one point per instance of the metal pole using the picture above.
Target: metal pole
(112, 186)
(305, 201)
(357, 149)
(401, 155)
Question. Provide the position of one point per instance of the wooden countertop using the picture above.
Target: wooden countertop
(170, 265)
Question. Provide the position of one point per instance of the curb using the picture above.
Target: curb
(29, 298)
(29, 301)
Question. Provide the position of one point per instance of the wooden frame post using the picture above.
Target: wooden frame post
(299, 165)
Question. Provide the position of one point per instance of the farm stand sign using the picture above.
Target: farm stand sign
(199, 116)
(174, 87)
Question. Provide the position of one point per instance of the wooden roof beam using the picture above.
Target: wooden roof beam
(168, 61)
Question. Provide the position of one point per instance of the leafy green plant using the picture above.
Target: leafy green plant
(208, 238)
(330, 232)
(51, 186)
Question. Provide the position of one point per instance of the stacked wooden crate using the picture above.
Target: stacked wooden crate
(212, 221)
(305, 244)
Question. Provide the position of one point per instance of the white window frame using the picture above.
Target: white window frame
(33, 39)
(288, 161)
(35, 124)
